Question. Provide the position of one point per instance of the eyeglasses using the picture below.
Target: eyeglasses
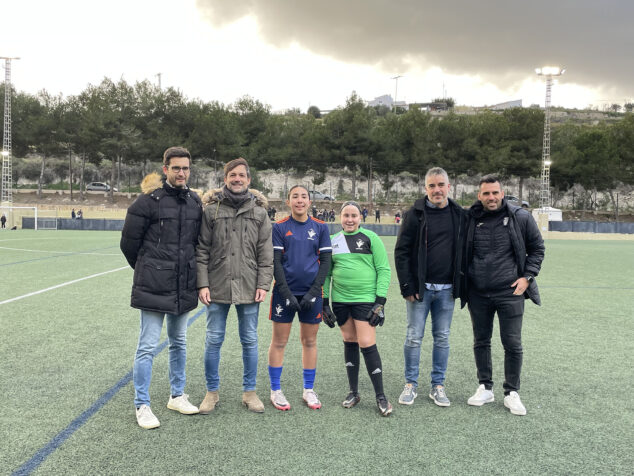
(176, 169)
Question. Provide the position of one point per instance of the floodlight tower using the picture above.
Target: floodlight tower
(544, 194)
(6, 196)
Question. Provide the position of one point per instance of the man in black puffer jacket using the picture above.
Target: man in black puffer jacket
(504, 252)
(159, 240)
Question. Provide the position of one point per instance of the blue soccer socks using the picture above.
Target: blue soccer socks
(309, 378)
(275, 374)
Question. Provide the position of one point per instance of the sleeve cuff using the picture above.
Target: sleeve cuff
(380, 300)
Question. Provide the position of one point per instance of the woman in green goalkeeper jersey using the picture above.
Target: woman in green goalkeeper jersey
(360, 276)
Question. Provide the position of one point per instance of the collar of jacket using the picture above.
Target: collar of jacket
(419, 204)
(215, 196)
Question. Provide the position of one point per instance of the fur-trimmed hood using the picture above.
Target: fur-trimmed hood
(216, 195)
(151, 182)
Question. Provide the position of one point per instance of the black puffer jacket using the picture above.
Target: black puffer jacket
(509, 246)
(159, 240)
(410, 252)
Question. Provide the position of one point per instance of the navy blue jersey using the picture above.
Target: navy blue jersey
(300, 244)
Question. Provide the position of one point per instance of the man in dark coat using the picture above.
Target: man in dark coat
(428, 258)
(504, 252)
(159, 240)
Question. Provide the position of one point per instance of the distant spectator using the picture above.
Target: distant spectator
(3, 219)
(364, 214)
(332, 215)
(73, 215)
(314, 212)
(397, 217)
(377, 216)
(80, 214)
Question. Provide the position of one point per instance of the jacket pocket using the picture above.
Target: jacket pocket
(191, 274)
(159, 276)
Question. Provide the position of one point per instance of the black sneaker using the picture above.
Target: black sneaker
(385, 407)
(351, 400)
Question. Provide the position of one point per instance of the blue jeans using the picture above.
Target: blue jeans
(151, 325)
(248, 330)
(440, 304)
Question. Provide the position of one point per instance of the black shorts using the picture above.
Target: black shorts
(357, 310)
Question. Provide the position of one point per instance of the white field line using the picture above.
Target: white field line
(61, 285)
(60, 252)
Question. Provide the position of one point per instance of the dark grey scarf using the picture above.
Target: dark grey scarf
(236, 200)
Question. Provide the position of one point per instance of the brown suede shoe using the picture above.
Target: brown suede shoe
(209, 403)
(252, 402)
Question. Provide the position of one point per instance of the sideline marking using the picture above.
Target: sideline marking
(62, 252)
(38, 458)
(61, 285)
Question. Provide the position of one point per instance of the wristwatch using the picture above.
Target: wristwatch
(530, 278)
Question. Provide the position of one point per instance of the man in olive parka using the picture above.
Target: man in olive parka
(235, 266)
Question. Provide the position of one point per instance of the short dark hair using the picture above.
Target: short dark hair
(293, 188)
(490, 178)
(232, 164)
(175, 152)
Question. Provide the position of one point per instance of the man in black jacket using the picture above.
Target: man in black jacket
(428, 255)
(159, 239)
(504, 252)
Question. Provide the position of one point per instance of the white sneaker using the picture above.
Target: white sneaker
(146, 419)
(181, 405)
(311, 399)
(512, 402)
(279, 400)
(481, 397)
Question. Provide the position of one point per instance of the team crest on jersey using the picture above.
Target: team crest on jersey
(311, 234)
(359, 244)
(278, 311)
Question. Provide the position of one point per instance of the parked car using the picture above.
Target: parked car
(99, 187)
(315, 195)
(516, 201)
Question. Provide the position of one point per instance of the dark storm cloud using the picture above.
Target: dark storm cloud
(501, 40)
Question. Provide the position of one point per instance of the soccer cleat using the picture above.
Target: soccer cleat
(209, 403)
(439, 397)
(252, 402)
(311, 399)
(279, 400)
(385, 407)
(181, 405)
(512, 402)
(407, 395)
(145, 418)
(351, 400)
(481, 397)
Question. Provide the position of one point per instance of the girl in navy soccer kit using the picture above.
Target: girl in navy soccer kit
(302, 255)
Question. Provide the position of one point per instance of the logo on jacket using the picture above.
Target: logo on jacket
(506, 221)
(311, 234)
(289, 233)
(359, 244)
(278, 310)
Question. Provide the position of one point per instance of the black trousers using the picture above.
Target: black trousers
(510, 310)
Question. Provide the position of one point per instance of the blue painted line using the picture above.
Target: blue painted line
(56, 256)
(38, 458)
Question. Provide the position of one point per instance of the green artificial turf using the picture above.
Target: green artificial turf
(64, 348)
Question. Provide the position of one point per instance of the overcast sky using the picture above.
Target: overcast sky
(300, 53)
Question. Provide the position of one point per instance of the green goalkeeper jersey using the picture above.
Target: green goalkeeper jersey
(360, 270)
